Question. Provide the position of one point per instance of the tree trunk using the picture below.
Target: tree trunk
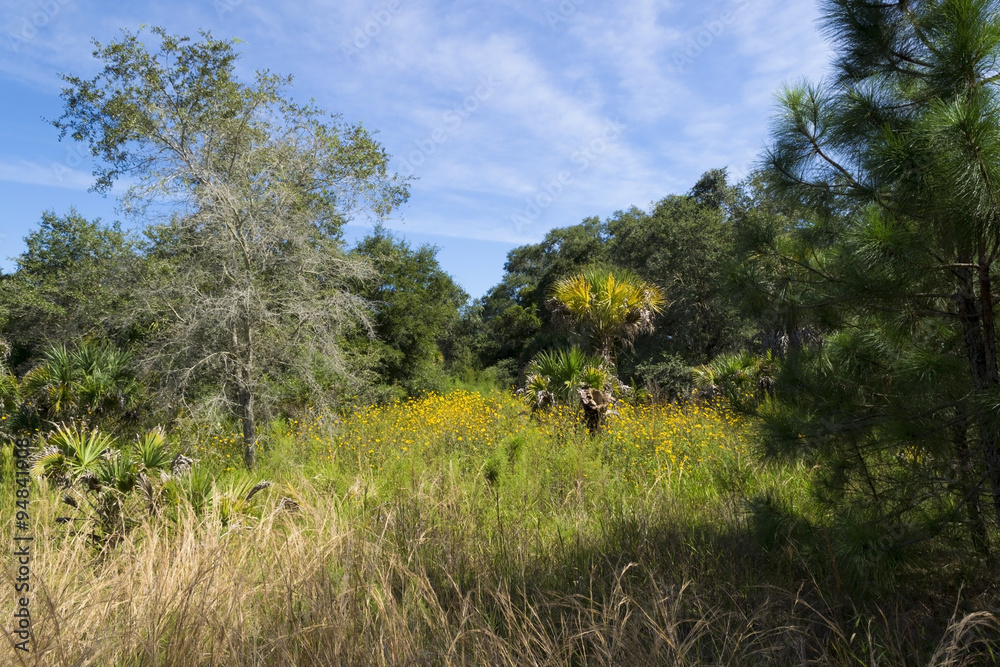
(991, 446)
(249, 427)
(244, 385)
(976, 315)
(595, 406)
(970, 486)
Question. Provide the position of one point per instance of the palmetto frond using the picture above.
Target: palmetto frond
(71, 453)
(152, 451)
(51, 463)
(51, 387)
(237, 499)
(94, 379)
(574, 294)
(558, 374)
(609, 307)
(9, 391)
(83, 449)
(118, 472)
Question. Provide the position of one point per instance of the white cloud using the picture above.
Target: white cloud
(54, 175)
(559, 86)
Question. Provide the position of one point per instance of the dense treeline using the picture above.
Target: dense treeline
(685, 245)
(80, 280)
(75, 286)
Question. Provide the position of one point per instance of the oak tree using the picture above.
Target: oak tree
(243, 194)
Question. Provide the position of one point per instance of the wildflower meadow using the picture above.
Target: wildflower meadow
(462, 528)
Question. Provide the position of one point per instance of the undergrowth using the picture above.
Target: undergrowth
(461, 529)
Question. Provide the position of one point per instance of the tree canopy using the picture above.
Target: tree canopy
(415, 304)
(243, 193)
(883, 264)
(67, 284)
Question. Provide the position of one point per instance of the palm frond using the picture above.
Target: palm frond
(152, 450)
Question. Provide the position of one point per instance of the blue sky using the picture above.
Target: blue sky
(515, 116)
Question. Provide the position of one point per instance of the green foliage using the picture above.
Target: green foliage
(516, 322)
(193, 490)
(608, 307)
(151, 451)
(10, 394)
(667, 376)
(555, 376)
(870, 266)
(744, 378)
(243, 194)
(416, 307)
(72, 454)
(238, 499)
(99, 477)
(91, 384)
(683, 246)
(69, 282)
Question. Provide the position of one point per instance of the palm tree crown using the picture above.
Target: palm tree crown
(609, 307)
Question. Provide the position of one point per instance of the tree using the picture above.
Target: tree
(556, 375)
(894, 170)
(564, 375)
(244, 193)
(610, 308)
(515, 312)
(415, 303)
(684, 244)
(68, 283)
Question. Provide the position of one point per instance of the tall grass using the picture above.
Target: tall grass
(459, 530)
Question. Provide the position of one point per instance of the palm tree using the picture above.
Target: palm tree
(556, 376)
(90, 384)
(608, 307)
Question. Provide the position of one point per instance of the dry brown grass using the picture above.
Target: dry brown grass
(398, 584)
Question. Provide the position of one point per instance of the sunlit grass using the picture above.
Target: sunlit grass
(457, 529)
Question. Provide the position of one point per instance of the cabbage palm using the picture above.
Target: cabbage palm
(557, 375)
(608, 307)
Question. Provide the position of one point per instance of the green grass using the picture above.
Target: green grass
(460, 529)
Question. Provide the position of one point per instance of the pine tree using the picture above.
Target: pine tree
(892, 170)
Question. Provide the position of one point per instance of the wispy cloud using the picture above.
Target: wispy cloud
(558, 84)
(53, 175)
